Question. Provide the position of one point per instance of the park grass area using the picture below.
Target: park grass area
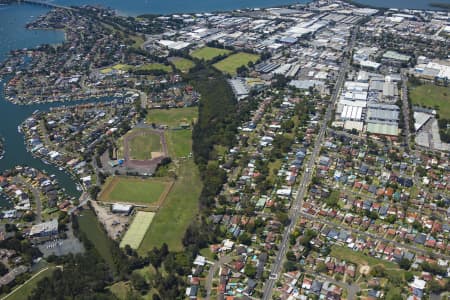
(133, 190)
(136, 232)
(94, 232)
(143, 144)
(209, 53)
(138, 41)
(177, 212)
(182, 64)
(121, 289)
(145, 67)
(118, 67)
(432, 96)
(179, 142)
(359, 258)
(154, 67)
(172, 117)
(24, 291)
(230, 64)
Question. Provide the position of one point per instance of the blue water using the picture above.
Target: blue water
(411, 4)
(136, 7)
(13, 35)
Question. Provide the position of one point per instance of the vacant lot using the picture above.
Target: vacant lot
(136, 232)
(179, 142)
(182, 64)
(143, 144)
(359, 258)
(208, 53)
(232, 62)
(178, 210)
(153, 67)
(432, 96)
(172, 117)
(133, 190)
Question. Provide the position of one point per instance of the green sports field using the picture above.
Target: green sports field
(182, 64)
(208, 53)
(232, 62)
(177, 212)
(143, 144)
(172, 117)
(133, 190)
(432, 96)
(179, 142)
(137, 230)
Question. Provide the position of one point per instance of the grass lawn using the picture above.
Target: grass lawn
(182, 64)
(136, 232)
(172, 117)
(121, 289)
(432, 96)
(206, 252)
(90, 226)
(232, 62)
(118, 67)
(142, 145)
(138, 41)
(149, 271)
(177, 212)
(179, 142)
(359, 258)
(208, 53)
(393, 291)
(154, 66)
(133, 190)
(25, 290)
(274, 166)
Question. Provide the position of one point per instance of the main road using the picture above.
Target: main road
(305, 180)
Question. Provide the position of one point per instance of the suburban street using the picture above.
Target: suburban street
(371, 235)
(306, 177)
(36, 196)
(213, 270)
(405, 108)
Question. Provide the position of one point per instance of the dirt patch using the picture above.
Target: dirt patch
(364, 270)
(157, 154)
(114, 224)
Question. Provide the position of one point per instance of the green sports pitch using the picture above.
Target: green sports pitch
(209, 53)
(135, 234)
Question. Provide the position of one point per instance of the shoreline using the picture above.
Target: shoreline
(433, 6)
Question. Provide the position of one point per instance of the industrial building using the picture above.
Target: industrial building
(45, 229)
